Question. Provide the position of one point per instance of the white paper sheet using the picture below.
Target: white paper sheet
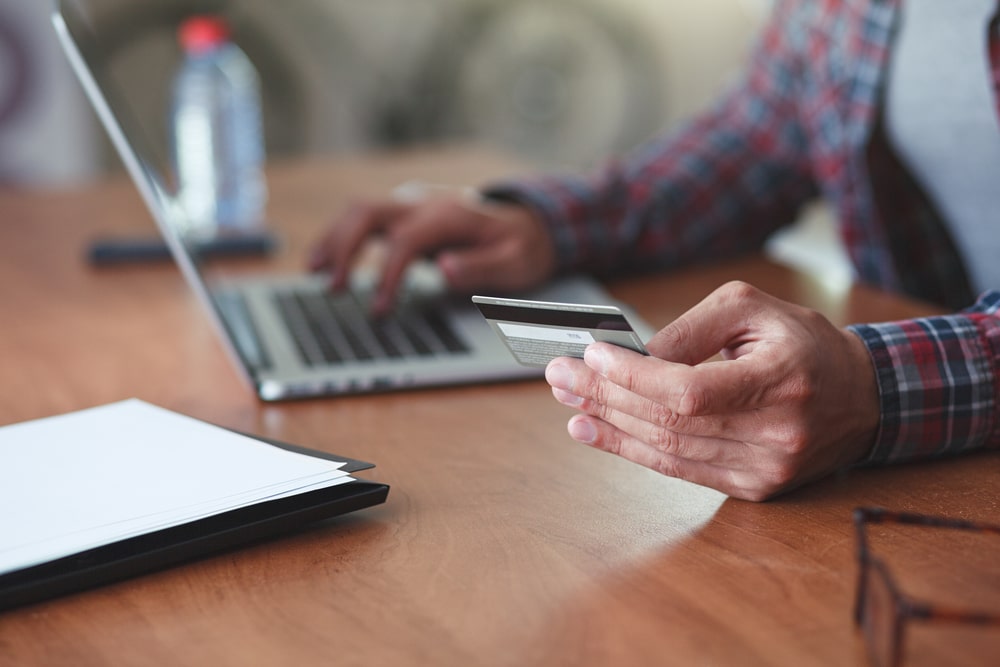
(76, 481)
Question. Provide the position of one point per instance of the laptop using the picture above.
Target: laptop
(288, 334)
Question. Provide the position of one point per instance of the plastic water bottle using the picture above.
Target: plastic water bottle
(217, 132)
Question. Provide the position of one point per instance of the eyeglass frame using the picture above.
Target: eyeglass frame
(905, 607)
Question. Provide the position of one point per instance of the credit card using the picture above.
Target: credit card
(536, 332)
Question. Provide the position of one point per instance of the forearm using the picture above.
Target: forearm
(686, 205)
(715, 188)
(939, 383)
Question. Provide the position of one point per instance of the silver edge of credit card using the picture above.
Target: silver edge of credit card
(535, 343)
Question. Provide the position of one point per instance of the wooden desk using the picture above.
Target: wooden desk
(503, 542)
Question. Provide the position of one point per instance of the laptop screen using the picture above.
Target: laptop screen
(245, 299)
(90, 36)
(93, 32)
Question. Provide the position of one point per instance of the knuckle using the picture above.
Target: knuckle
(692, 400)
(762, 487)
(738, 290)
(798, 441)
(597, 409)
(774, 477)
(755, 495)
(800, 388)
(599, 390)
(664, 440)
(667, 465)
(792, 439)
(804, 386)
(781, 476)
(665, 418)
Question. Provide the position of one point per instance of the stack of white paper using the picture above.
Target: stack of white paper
(89, 478)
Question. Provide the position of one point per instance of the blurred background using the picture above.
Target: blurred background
(557, 83)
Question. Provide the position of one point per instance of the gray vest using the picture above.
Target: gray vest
(942, 119)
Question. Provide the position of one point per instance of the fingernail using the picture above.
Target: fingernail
(596, 358)
(582, 430)
(559, 376)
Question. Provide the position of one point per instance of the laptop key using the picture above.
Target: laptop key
(337, 327)
(300, 328)
(444, 332)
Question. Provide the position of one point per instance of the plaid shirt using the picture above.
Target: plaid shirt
(803, 123)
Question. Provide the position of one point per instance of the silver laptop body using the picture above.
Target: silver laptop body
(290, 336)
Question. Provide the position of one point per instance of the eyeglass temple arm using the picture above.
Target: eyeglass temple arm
(879, 515)
(948, 614)
(864, 515)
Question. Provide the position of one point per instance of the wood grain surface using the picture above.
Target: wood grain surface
(503, 542)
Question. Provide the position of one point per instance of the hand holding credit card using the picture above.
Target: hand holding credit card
(536, 332)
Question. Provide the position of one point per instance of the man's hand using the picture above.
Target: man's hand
(791, 399)
(476, 245)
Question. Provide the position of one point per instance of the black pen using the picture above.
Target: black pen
(111, 251)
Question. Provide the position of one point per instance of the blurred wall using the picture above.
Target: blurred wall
(561, 82)
(47, 134)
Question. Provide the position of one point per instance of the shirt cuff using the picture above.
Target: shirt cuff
(936, 387)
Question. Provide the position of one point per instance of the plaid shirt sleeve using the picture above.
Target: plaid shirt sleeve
(938, 382)
(718, 187)
(721, 185)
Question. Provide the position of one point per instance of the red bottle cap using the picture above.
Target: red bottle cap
(203, 33)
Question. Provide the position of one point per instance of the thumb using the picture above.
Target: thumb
(720, 319)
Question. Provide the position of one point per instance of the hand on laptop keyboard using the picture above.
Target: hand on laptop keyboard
(476, 245)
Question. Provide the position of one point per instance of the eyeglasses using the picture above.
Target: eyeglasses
(881, 610)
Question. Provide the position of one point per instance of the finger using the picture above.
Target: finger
(483, 267)
(712, 388)
(334, 243)
(606, 437)
(367, 222)
(581, 387)
(589, 391)
(719, 451)
(746, 484)
(319, 253)
(710, 326)
(674, 433)
(711, 440)
(343, 242)
(426, 229)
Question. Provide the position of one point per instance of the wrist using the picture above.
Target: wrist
(865, 400)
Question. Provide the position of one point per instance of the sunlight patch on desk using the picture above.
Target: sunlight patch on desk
(812, 245)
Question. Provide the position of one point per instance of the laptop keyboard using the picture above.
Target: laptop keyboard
(331, 328)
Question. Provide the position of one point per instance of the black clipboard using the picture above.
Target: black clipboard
(159, 549)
